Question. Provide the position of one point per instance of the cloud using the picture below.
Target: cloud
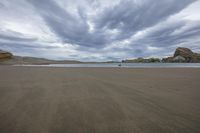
(99, 29)
(15, 36)
(173, 34)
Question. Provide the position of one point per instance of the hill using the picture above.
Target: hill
(4, 55)
(7, 58)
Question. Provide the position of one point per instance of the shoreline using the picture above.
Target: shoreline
(120, 65)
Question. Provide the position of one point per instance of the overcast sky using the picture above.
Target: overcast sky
(89, 30)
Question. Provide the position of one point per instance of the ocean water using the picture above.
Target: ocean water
(126, 65)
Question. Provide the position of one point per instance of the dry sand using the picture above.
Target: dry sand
(99, 100)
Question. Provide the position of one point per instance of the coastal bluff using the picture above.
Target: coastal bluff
(4, 55)
(184, 55)
(181, 55)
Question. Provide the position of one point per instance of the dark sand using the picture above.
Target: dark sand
(99, 100)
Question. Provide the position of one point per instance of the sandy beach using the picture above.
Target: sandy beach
(99, 100)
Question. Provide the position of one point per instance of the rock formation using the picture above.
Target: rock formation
(5, 55)
(183, 55)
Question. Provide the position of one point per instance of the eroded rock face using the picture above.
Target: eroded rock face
(5, 55)
(185, 53)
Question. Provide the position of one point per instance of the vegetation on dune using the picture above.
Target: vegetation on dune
(142, 60)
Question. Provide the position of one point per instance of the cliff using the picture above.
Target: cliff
(5, 55)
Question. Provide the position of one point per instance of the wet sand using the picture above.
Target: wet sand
(99, 100)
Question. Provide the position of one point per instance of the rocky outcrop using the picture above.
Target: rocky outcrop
(5, 55)
(179, 59)
(183, 55)
(184, 52)
(168, 60)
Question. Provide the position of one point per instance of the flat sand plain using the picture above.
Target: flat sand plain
(99, 100)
